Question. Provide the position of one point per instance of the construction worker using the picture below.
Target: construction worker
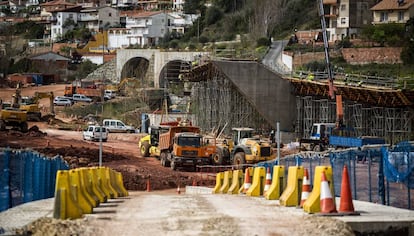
(310, 77)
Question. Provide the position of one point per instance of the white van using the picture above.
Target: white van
(81, 98)
(117, 126)
(93, 133)
(110, 94)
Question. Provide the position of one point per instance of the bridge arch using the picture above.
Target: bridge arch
(157, 61)
(135, 67)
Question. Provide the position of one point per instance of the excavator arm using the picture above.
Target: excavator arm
(50, 95)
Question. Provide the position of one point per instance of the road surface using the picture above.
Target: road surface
(169, 213)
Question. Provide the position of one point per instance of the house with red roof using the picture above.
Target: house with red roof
(393, 11)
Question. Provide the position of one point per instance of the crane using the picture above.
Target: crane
(332, 89)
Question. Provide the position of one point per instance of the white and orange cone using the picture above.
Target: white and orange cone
(268, 182)
(178, 189)
(306, 188)
(327, 202)
(247, 181)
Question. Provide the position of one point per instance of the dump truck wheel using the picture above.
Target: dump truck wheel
(24, 127)
(2, 125)
(173, 166)
(217, 158)
(239, 160)
(317, 148)
(145, 149)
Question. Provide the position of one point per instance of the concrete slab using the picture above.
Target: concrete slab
(374, 218)
(19, 216)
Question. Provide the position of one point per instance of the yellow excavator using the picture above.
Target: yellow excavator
(31, 105)
(11, 115)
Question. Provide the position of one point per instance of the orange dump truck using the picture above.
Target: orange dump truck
(183, 146)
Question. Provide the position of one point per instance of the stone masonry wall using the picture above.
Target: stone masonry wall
(355, 56)
(380, 55)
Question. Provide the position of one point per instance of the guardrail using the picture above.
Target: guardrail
(357, 80)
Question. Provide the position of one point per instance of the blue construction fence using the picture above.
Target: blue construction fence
(379, 174)
(27, 176)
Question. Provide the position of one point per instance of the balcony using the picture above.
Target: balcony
(88, 17)
(330, 2)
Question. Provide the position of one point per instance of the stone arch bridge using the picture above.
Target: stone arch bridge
(153, 66)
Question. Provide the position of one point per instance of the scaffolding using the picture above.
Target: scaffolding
(218, 104)
(393, 124)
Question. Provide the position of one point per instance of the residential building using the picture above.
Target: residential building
(146, 27)
(98, 18)
(345, 18)
(392, 11)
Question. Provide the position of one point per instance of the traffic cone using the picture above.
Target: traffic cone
(326, 199)
(178, 189)
(194, 182)
(148, 185)
(268, 181)
(247, 181)
(306, 188)
(346, 204)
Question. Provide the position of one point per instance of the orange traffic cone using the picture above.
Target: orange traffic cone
(306, 188)
(268, 181)
(178, 189)
(247, 181)
(327, 202)
(346, 204)
(148, 185)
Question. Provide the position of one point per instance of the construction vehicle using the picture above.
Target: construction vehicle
(11, 115)
(31, 105)
(95, 93)
(243, 149)
(184, 146)
(124, 86)
(148, 145)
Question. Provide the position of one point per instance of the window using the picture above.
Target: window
(384, 17)
(343, 20)
(343, 7)
(401, 16)
(110, 14)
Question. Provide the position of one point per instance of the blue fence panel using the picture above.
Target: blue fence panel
(5, 199)
(376, 174)
(27, 176)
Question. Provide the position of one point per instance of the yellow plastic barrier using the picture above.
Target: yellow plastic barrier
(237, 182)
(96, 184)
(79, 192)
(86, 184)
(290, 197)
(120, 183)
(100, 180)
(114, 183)
(278, 183)
(227, 181)
(88, 180)
(106, 182)
(313, 204)
(251, 170)
(219, 182)
(65, 206)
(258, 182)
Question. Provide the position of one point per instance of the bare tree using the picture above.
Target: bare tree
(266, 15)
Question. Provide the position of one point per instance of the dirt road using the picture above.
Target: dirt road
(167, 213)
